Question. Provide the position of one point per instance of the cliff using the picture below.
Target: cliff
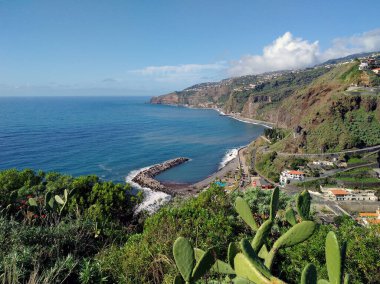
(322, 101)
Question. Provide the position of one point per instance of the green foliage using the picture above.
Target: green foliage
(274, 134)
(243, 258)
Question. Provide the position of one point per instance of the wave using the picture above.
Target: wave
(152, 199)
(229, 156)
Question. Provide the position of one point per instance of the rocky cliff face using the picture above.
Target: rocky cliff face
(314, 99)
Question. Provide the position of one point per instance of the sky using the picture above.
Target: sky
(151, 47)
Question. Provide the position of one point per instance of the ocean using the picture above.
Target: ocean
(114, 137)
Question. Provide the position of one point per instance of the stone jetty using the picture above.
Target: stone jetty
(145, 178)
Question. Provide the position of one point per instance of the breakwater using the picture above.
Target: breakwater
(145, 178)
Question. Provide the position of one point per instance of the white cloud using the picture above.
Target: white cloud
(173, 70)
(288, 52)
(365, 42)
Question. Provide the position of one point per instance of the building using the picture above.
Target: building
(376, 70)
(363, 66)
(369, 218)
(323, 163)
(343, 194)
(256, 181)
(288, 175)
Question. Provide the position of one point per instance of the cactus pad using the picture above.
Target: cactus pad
(242, 208)
(274, 203)
(333, 258)
(290, 216)
(184, 257)
(303, 205)
(309, 274)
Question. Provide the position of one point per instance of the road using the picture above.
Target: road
(363, 150)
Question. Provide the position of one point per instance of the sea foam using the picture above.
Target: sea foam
(229, 156)
(152, 199)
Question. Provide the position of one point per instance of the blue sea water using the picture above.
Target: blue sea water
(113, 136)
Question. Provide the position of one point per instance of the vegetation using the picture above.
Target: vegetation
(74, 242)
(52, 225)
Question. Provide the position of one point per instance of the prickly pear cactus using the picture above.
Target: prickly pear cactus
(295, 235)
(333, 258)
(242, 208)
(303, 205)
(309, 274)
(261, 235)
(290, 216)
(184, 257)
(274, 202)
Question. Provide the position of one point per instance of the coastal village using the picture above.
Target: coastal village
(341, 183)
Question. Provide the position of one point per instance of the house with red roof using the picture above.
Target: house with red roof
(288, 175)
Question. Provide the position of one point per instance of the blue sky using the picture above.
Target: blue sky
(115, 47)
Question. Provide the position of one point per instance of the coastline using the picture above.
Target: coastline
(155, 197)
(238, 117)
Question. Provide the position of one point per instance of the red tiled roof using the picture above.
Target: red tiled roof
(338, 192)
(376, 221)
(296, 173)
(368, 214)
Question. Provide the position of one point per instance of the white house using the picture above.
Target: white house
(363, 66)
(288, 175)
(343, 194)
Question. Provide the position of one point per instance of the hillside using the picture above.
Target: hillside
(329, 107)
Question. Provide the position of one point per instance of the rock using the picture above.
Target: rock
(146, 178)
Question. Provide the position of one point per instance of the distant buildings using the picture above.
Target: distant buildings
(288, 175)
(370, 63)
(343, 194)
(369, 218)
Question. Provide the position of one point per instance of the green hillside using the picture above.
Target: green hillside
(332, 107)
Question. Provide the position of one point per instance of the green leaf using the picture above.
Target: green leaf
(59, 199)
(184, 257)
(65, 193)
(218, 267)
(323, 281)
(32, 202)
(274, 203)
(309, 274)
(333, 258)
(204, 265)
(178, 280)
(347, 279)
(242, 208)
(239, 280)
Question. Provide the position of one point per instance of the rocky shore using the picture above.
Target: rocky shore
(145, 178)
